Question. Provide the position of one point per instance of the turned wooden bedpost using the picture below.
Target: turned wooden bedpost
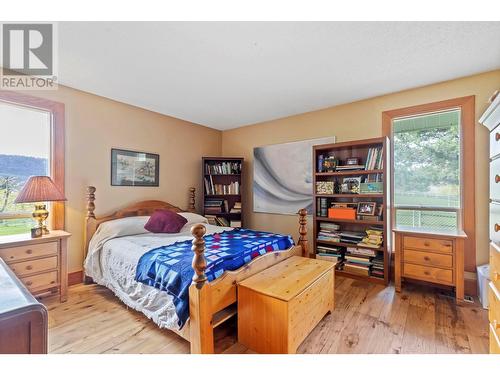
(201, 331)
(303, 232)
(90, 223)
(192, 207)
(199, 262)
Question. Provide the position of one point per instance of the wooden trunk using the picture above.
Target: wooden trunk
(280, 306)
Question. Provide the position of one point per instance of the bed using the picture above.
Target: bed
(114, 243)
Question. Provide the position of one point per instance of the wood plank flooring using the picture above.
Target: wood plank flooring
(368, 318)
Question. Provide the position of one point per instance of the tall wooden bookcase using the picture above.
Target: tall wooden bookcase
(343, 151)
(211, 171)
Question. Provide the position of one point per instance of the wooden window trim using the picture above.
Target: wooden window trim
(57, 143)
(468, 180)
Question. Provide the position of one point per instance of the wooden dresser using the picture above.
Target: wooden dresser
(23, 320)
(434, 257)
(280, 306)
(491, 119)
(40, 263)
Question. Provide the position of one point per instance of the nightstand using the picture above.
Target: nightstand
(40, 263)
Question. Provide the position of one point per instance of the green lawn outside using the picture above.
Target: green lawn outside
(16, 226)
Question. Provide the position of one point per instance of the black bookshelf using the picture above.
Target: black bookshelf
(222, 187)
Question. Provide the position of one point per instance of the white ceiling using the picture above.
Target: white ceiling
(229, 74)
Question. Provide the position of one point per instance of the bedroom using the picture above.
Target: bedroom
(135, 246)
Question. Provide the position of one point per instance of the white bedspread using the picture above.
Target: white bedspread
(112, 260)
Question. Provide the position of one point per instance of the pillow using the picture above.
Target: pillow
(193, 218)
(164, 221)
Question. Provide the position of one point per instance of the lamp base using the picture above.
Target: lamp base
(40, 215)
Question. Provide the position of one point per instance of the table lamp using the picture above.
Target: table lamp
(39, 189)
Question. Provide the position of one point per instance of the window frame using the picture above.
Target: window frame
(56, 169)
(466, 212)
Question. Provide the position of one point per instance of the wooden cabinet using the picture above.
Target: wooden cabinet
(432, 257)
(280, 306)
(23, 320)
(491, 119)
(40, 263)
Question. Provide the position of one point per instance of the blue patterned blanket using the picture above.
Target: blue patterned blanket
(169, 268)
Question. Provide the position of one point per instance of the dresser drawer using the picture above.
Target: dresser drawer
(495, 222)
(39, 282)
(14, 254)
(431, 274)
(495, 265)
(495, 142)
(427, 258)
(34, 266)
(433, 244)
(494, 307)
(494, 342)
(495, 179)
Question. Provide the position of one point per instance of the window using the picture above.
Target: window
(427, 170)
(29, 127)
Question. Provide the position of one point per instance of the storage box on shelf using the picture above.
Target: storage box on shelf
(222, 177)
(346, 175)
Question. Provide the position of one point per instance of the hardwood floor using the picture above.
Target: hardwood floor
(368, 318)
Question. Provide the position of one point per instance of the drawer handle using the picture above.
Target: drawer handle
(497, 179)
(497, 137)
(427, 273)
(52, 282)
(28, 283)
(426, 243)
(426, 258)
(494, 276)
(29, 268)
(496, 325)
(497, 227)
(29, 251)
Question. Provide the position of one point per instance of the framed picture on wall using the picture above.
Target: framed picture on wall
(133, 168)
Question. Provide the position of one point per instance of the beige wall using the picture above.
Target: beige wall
(94, 125)
(361, 120)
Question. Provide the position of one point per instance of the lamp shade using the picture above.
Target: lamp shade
(39, 189)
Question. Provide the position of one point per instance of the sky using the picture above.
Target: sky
(24, 131)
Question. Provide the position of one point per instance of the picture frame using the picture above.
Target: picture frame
(134, 168)
(366, 208)
(352, 161)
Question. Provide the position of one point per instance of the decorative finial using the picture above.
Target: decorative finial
(303, 232)
(90, 202)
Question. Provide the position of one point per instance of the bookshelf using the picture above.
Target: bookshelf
(341, 187)
(222, 180)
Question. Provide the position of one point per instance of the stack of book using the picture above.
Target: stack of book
(375, 158)
(220, 189)
(374, 238)
(215, 206)
(331, 254)
(322, 207)
(351, 237)
(226, 167)
(361, 251)
(236, 208)
(357, 264)
(328, 232)
(235, 223)
(350, 167)
(377, 269)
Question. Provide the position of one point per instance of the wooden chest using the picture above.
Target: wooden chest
(432, 257)
(280, 306)
(23, 320)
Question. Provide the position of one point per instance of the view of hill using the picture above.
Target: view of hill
(22, 166)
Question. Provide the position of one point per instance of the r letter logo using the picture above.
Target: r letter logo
(28, 56)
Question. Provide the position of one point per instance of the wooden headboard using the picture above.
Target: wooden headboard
(144, 208)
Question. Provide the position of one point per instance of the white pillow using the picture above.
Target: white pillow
(193, 218)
